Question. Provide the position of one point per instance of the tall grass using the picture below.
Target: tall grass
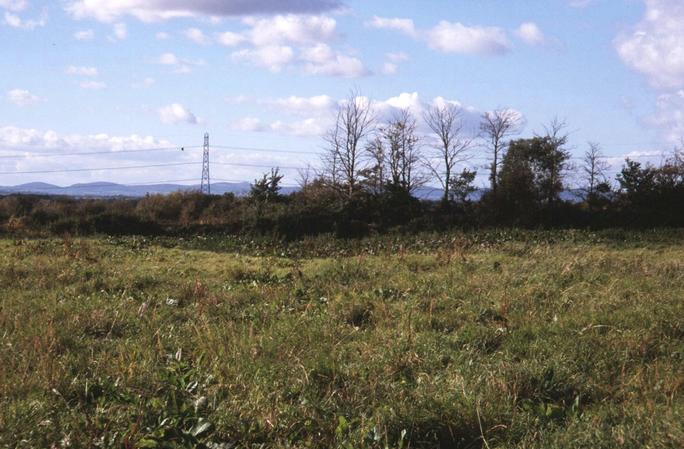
(516, 342)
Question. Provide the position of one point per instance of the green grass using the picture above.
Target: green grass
(537, 340)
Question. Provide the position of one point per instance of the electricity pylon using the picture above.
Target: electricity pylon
(206, 183)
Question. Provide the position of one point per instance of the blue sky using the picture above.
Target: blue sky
(96, 75)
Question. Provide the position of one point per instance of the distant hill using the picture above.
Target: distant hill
(109, 189)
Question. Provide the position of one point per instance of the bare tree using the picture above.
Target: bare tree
(452, 146)
(594, 169)
(557, 161)
(353, 124)
(403, 155)
(496, 127)
(374, 175)
(305, 176)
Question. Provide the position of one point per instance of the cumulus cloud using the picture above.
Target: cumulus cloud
(318, 113)
(397, 57)
(301, 105)
(248, 124)
(81, 71)
(84, 35)
(14, 5)
(120, 32)
(450, 37)
(273, 58)
(290, 29)
(230, 39)
(176, 113)
(319, 60)
(323, 60)
(655, 46)
(93, 85)
(22, 97)
(197, 36)
(392, 60)
(390, 68)
(454, 37)
(12, 137)
(33, 144)
(530, 33)
(669, 116)
(15, 21)
(146, 83)
(180, 65)
(310, 127)
(154, 10)
(405, 26)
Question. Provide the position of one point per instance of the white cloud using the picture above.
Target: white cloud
(153, 10)
(146, 83)
(450, 37)
(390, 68)
(391, 64)
(273, 58)
(93, 85)
(655, 47)
(81, 71)
(120, 31)
(317, 113)
(397, 57)
(14, 5)
(162, 36)
(530, 33)
(290, 29)
(22, 97)
(32, 139)
(181, 65)
(669, 116)
(405, 26)
(301, 105)
(197, 36)
(14, 21)
(385, 110)
(175, 114)
(230, 39)
(33, 143)
(248, 124)
(84, 35)
(310, 127)
(455, 37)
(405, 100)
(322, 60)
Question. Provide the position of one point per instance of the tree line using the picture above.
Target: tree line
(371, 175)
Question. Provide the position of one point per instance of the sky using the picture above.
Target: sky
(111, 76)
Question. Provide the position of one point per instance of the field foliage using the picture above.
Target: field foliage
(490, 340)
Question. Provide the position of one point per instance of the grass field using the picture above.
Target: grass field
(545, 341)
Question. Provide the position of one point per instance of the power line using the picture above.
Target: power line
(237, 164)
(144, 150)
(89, 153)
(265, 150)
(70, 170)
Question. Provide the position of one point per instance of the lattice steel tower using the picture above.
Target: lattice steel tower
(206, 183)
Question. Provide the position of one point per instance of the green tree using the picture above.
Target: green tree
(267, 189)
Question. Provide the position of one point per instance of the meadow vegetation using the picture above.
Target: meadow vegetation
(494, 339)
